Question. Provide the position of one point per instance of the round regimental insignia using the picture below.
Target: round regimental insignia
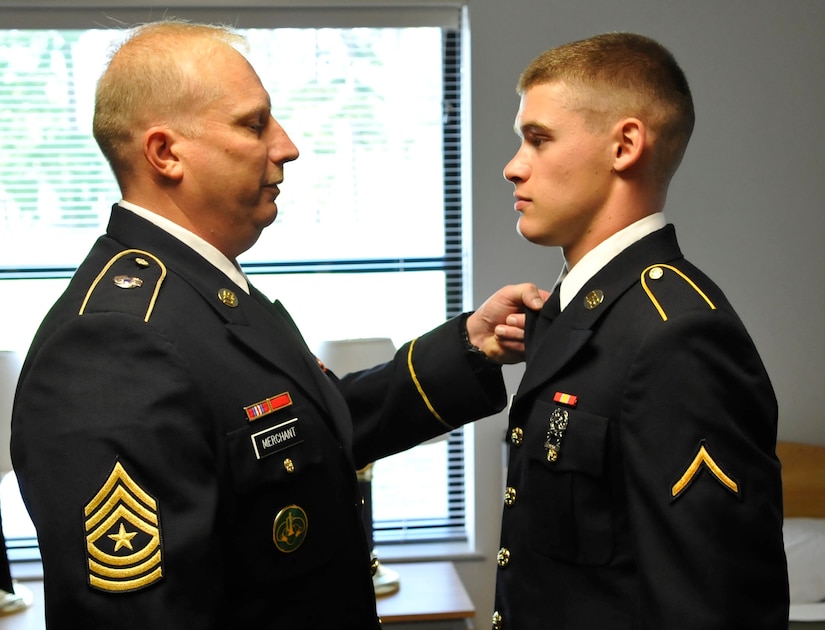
(289, 529)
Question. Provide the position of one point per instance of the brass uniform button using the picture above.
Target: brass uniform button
(496, 621)
(141, 262)
(656, 273)
(516, 436)
(509, 496)
(503, 557)
(289, 466)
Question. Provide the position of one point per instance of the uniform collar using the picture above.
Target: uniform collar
(208, 251)
(595, 260)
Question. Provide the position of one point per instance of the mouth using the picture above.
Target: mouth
(521, 202)
(273, 187)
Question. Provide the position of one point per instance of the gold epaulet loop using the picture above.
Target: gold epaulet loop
(657, 273)
(126, 266)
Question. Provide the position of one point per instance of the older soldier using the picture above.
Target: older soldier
(185, 460)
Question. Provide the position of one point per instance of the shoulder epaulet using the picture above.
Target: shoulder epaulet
(128, 283)
(660, 274)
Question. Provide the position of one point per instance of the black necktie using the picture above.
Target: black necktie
(536, 324)
(552, 307)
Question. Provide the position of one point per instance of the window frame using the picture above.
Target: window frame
(329, 13)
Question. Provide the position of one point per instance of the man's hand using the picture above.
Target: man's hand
(497, 327)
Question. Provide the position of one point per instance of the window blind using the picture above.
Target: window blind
(56, 189)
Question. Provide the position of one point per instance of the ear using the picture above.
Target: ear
(629, 144)
(160, 152)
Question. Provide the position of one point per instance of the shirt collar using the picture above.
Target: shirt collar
(593, 261)
(207, 250)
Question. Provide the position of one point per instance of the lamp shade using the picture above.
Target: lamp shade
(343, 356)
(10, 364)
(349, 355)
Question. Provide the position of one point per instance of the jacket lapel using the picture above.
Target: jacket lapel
(553, 344)
(268, 330)
(268, 336)
(336, 405)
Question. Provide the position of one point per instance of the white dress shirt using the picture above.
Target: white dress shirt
(208, 251)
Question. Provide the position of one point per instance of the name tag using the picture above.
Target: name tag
(276, 438)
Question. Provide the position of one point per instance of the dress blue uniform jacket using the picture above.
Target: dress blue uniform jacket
(186, 461)
(662, 509)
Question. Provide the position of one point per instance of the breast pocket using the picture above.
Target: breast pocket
(277, 448)
(569, 499)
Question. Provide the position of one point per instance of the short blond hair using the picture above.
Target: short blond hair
(150, 80)
(615, 75)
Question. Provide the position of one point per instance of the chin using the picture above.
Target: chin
(537, 238)
(270, 216)
(526, 234)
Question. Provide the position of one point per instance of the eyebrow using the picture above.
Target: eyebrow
(253, 106)
(254, 113)
(533, 128)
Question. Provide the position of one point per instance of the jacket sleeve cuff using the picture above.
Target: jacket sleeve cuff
(456, 382)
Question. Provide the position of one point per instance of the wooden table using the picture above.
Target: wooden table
(431, 597)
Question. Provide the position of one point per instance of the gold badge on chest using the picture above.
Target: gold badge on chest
(289, 529)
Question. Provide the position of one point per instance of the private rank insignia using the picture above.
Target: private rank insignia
(123, 548)
(703, 461)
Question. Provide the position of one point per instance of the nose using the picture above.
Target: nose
(516, 169)
(281, 148)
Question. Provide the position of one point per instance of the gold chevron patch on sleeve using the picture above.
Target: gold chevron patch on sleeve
(123, 548)
(703, 460)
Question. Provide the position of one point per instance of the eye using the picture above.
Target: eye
(535, 139)
(535, 136)
(259, 124)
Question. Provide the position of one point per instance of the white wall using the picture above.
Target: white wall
(748, 201)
